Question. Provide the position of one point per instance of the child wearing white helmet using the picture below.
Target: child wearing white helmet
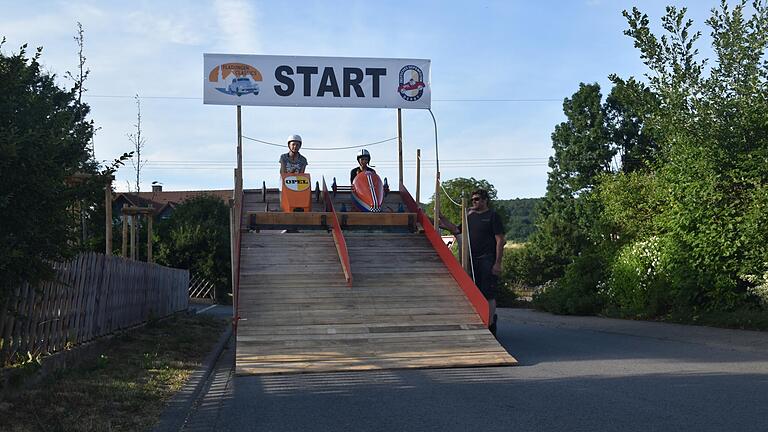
(363, 159)
(293, 162)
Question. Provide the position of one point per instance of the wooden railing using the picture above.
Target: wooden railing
(466, 283)
(338, 236)
(201, 288)
(91, 296)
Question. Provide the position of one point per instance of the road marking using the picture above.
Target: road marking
(208, 308)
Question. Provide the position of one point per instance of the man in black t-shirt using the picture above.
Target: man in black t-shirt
(486, 245)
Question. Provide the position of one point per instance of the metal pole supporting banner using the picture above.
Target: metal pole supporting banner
(237, 214)
(400, 145)
(437, 177)
(239, 144)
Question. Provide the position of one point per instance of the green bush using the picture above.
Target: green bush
(578, 291)
(196, 237)
(518, 266)
(638, 285)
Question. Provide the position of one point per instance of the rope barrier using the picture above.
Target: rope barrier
(449, 197)
(325, 148)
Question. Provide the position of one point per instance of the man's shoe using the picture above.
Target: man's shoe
(492, 327)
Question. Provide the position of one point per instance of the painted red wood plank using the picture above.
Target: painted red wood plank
(462, 278)
(338, 236)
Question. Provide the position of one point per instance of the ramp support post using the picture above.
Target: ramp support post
(465, 237)
(400, 145)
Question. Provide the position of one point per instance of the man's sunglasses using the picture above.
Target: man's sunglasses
(476, 198)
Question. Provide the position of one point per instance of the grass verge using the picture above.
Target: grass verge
(123, 389)
(743, 319)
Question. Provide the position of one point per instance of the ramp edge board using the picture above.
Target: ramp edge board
(338, 237)
(326, 367)
(462, 278)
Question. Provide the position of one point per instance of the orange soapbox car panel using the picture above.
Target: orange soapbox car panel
(296, 192)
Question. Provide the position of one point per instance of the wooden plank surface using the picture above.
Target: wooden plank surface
(280, 218)
(402, 311)
(371, 219)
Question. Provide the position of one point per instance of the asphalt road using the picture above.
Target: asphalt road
(575, 374)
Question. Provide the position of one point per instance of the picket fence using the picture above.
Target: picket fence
(91, 296)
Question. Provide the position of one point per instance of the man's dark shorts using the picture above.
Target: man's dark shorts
(484, 277)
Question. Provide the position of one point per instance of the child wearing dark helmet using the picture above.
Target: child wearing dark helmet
(363, 159)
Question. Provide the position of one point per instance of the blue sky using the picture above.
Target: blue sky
(481, 52)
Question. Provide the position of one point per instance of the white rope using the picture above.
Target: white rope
(465, 224)
(325, 148)
(449, 197)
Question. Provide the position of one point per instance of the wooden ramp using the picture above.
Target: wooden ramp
(403, 311)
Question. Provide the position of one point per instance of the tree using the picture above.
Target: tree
(138, 143)
(712, 173)
(627, 110)
(44, 136)
(567, 214)
(522, 217)
(196, 237)
(82, 71)
(581, 144)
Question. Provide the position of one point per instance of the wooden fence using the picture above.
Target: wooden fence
(93, 295)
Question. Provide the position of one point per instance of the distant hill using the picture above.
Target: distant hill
(522, 216)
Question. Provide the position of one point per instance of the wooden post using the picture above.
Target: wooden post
(149, 237)
(400, 146)
(437, 202)
(236, 217)
(133, 236)
(232, 245)
(464, 236)
(124, 245)
(108, 218)
(418, 176)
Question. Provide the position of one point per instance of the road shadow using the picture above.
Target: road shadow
(496, 399)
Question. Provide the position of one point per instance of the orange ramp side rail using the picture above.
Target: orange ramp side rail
(475, 297)
(338, 236)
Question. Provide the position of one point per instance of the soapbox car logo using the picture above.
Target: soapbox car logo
(297, 183)
(411, 83)
(235, 79)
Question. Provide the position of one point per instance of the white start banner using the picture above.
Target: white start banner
(231, 79)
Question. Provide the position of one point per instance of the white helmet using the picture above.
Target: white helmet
(363, 153)
(294, 138)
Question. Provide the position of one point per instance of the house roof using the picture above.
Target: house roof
(135, 200)
(178, 197)
(160, 200)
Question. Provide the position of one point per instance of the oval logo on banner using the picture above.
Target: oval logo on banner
(297, 183)
(411, 83)
(236, 79)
